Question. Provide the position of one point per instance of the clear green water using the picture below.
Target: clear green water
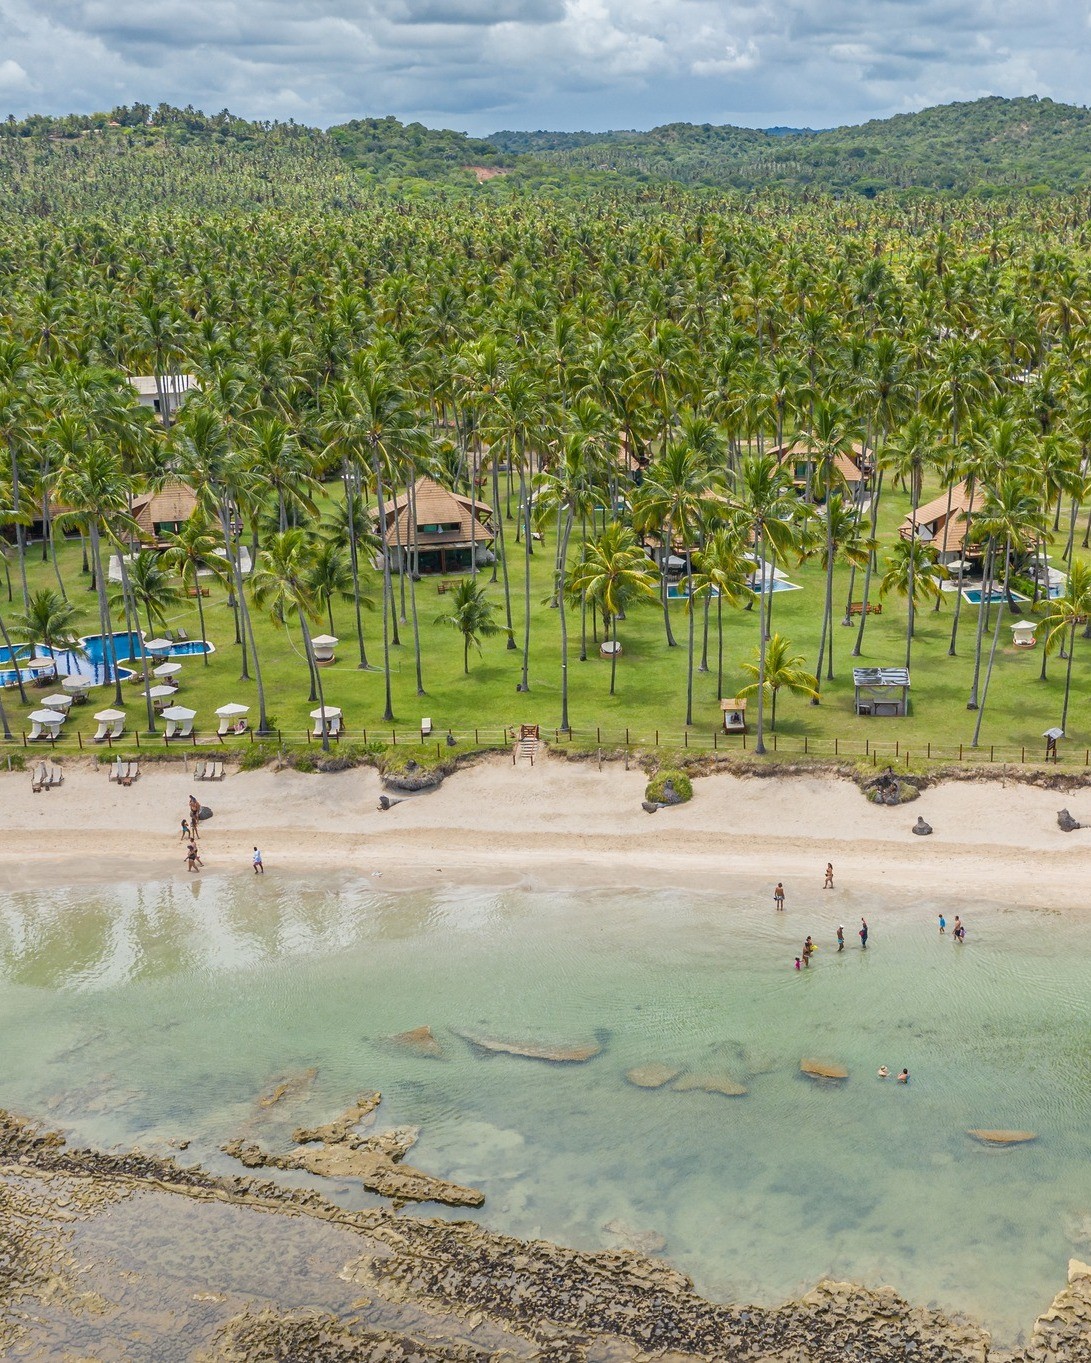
(139, 1014)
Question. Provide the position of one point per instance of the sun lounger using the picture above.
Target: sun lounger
(132, 773)
(37, 731)
(117, 770)
(335, 726)
(108, 729)
(169, 634)
(216, 772)
(199, 771)
(180, 635)
(425, 728)
(39, 778)
(179, 728)
(56, 777)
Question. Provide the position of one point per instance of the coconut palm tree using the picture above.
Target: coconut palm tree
(1065, 615)
(49, 623)
(779, 669)
(913, 570)
(723, 574)
(331, 575)
(281, 584)
(471, 614)
(614, 573)
(190, 551)
(151, 586)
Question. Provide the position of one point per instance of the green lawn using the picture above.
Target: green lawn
(650, 677)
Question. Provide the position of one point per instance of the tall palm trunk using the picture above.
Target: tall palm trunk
(14, 664)
(5, 727)
(246, 625)
(348, 477)
(996, 637)
(961, 566)
(689, 644)
(982, 615)
(316, 672)
(413, 557)
(500, 553)
(109, 644)
(524, 684)
(759, 746)
(912, 607)
(200, 613)
(858, 645)
(20, 529)
(561, 606)
(667, 545)
(380, 506)
(145, 661)
(610, 632)
(1068, 674)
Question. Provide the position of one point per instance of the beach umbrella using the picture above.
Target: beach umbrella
(109, 716)
(324, 641)
(326, 712)
(161, 692)
(76, 684)
(232, 710)
(56, 703)
(178, 712)
(47, 717)
(157, 645)
(167, 669)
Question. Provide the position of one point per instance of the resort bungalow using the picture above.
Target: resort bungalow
(436, 530)
(851, 470)
(880, 690)
(163, 512)
(943, 522)
(153, 392)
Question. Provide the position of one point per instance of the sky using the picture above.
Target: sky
(482, 65)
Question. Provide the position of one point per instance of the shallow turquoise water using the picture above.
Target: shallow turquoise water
(139, 1014)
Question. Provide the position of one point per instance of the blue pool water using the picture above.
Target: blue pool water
(777, 585)
(677, 592)
(90, 664)
(973, 595)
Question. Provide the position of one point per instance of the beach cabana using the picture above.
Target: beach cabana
(232, 718)
(323, 646)
(45, 724)
(734, 712)
(162, 695)
(1022, 633)
(60, 703)
(167, 670)
(111, 725)
(76, 687)
(327, 720)
(880, 690)
(179, 721)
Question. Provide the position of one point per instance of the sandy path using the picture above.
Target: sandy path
(558, 823)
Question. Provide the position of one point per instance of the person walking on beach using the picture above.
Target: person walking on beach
(778, 896)
(259, 869)
(863, 933)
(942, 925)
(840, 937)
(193, 861)
(185, 831)
(828, 885)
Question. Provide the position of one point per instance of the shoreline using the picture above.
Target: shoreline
(560, 824)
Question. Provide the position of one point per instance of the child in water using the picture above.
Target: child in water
(797, 963)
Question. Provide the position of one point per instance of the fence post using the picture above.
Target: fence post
(835, 753)
(960, 752)
(626, 736)
(476, 740)
(715, 741)
(1023, 753)
(929, 749)
(867, 747)
(79, 739)
(136, 735)
(657, 738)
(991, 758)
(685, 738)
(395, 734)
(774, 742)
(744, 740)
(897, 743)
(598, 734)
(804, 744)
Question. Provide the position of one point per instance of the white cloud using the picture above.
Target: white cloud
(479, 64)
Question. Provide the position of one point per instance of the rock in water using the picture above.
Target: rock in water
(529, 1050)
(652, 1076)
(710, 1083)
(420, 1041)
(921, 828)
(1003, 1137)
(818, 1069)
(642, 1241)
(1066, 823)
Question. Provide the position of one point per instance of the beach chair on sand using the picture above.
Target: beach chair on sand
(215, 772)
(128, 772)
(117, 770)
(56, 778)
(199, 771)
(39, 778)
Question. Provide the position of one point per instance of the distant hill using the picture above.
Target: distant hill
(384, 149)
(989, 145)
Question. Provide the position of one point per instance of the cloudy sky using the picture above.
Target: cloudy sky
(480, 65)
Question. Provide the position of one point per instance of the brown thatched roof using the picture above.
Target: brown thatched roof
(847, 466)
(932, 517)
(438, 506)
(174, 502)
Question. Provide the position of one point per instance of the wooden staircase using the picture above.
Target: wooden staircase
(526, 745)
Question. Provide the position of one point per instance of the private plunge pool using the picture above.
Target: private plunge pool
(974, 594)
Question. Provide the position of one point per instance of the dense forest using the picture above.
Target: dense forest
(138, 158)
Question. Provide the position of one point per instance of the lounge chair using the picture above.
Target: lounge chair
(39, 778)
(169, 634)
(425, 728)
(56, 777)
(218, 772)
(180, 636)
(179, 728)
(108, 729)
(117, 770)
(199, 771)
(131, 774)
(335, 726)
(36, 731)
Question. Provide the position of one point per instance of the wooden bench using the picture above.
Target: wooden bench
(198, 591)
(873, 608)
(445, 585)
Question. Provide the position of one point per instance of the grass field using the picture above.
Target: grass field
(651, 678)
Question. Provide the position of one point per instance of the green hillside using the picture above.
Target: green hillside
(981, 147)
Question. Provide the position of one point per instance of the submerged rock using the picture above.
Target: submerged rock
(529, 1050)
(818, 1069)
(342, 1127)
(652, 1076)
(710, 1083)
(287, 1087)
(419, 1041)
(640, 1241)
(1003, 1137)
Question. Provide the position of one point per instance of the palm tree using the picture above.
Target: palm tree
(1066, 613)
(331, 575)
(471, 614)
(913, 570)
(778, 669)
(723, 572)
(771, 510)
(49, 622)
(846, 542)
(190, 550)
(613, 572)
(281, 583)
(151, 586)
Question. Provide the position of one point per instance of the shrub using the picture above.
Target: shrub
(657, 791)
(255, 756)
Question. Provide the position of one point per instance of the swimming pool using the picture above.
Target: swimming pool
(777, 585)
(677, 592)
(973, 595)
(90, 663)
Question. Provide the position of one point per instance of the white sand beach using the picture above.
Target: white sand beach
(558, 823)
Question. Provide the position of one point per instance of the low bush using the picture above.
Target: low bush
(680, 788)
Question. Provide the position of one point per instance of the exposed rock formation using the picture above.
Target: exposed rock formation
(413, 777)
(419, 1041)
(818, 1069)
(710, 1083)
(529, 1050)
(639, 1241)
(287, 1087)
(1003, 1137)
(1066, 823)
(921, 828)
